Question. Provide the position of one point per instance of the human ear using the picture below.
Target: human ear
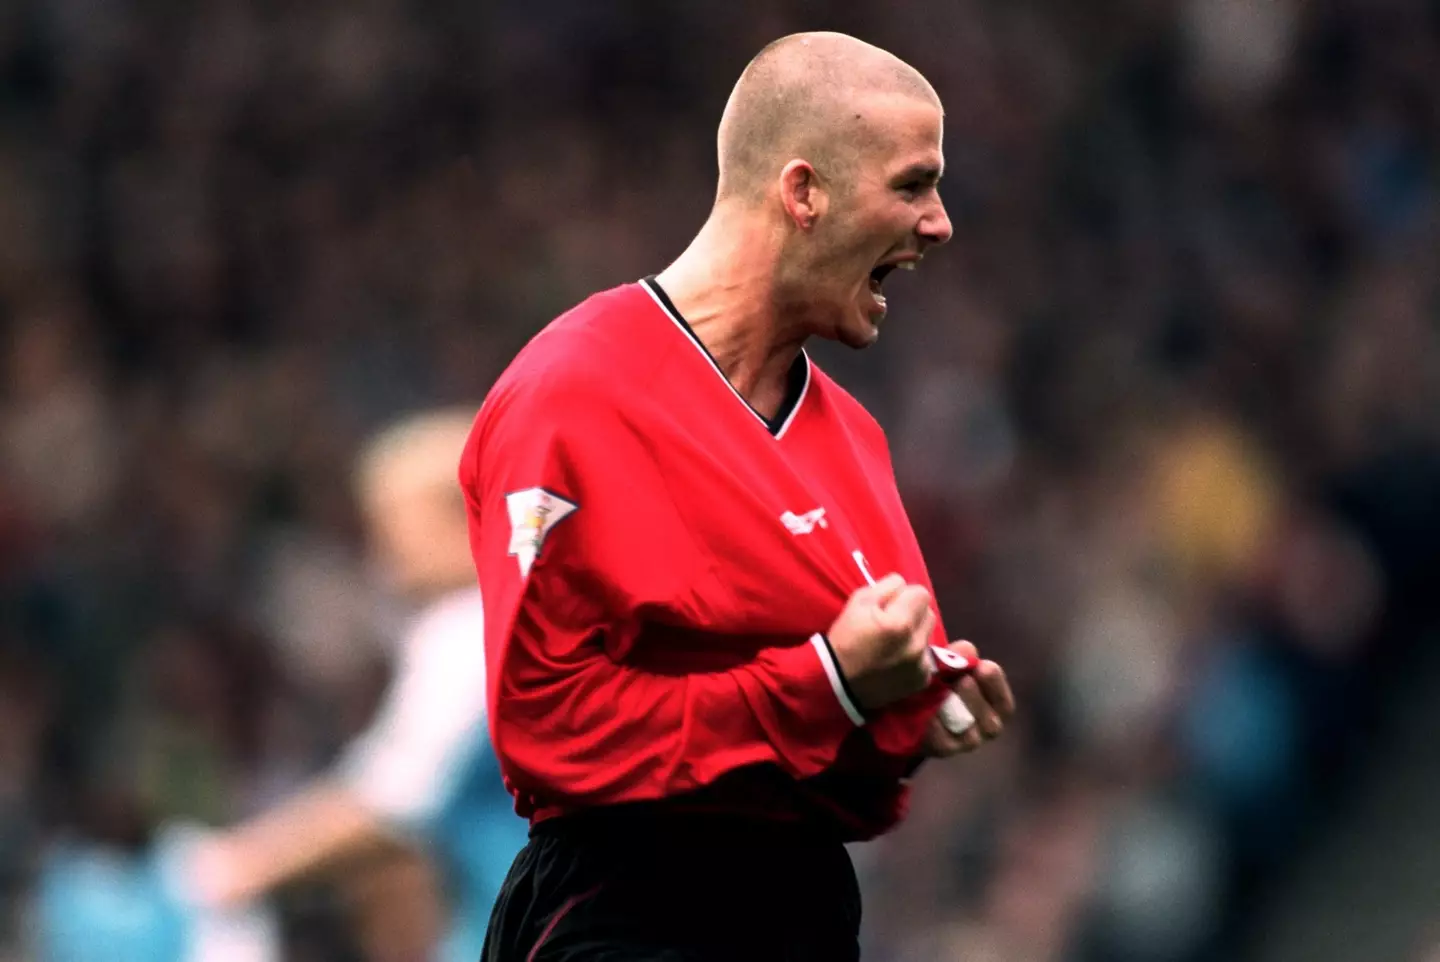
(802, 194)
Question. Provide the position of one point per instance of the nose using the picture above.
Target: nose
(934, 226)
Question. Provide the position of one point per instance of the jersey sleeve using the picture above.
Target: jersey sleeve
(408, 765)
(899, 730)
(576, 541)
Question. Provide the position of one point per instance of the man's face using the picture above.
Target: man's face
(884, 219)
(418, 539)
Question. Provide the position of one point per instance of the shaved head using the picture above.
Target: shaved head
(407, 483)
(804, 96)
(417, 455)
(831, 153)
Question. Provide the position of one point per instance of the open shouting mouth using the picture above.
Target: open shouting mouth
(881, 271)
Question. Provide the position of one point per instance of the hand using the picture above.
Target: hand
(240, 930)
(882, 641)
(212, 872)
(986, 693)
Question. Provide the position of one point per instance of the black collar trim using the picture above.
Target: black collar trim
(797, 386)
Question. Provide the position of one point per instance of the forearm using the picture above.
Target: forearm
(611, 732)
(316, 829)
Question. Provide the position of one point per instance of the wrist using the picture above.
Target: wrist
(847, 688)
(216, 871)
(834, 674)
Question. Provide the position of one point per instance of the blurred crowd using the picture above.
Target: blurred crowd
(1166, 412)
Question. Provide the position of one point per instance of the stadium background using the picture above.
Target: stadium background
(1166, 413)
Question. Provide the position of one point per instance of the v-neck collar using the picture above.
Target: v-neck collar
(797, 385)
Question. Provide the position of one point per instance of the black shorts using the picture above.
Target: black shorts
(673, 888)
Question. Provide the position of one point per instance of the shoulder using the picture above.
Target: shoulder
(575, 383)
(590, 352)
(444, 647)
(457, 617)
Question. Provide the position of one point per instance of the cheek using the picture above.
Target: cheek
(873, 234)
(398, 542)
(436, 536)
(391, 552)
(847, 264)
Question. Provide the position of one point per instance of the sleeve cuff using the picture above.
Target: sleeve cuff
(838, 684)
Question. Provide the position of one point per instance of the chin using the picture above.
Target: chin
(867, 326)
(859, 334)
(849, 324)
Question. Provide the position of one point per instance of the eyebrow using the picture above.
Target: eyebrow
(926, 173)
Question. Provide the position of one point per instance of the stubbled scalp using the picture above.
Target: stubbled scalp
(803, 97)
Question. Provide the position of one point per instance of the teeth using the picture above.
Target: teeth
(906, 265)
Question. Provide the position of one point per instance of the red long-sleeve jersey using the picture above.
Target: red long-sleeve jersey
(659, 563)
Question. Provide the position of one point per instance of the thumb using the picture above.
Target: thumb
(966, 650)
(955, 659)
(882, 592)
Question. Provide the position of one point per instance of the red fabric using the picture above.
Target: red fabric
(660, 638)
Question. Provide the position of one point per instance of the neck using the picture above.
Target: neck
(428, 593)
(723, 284)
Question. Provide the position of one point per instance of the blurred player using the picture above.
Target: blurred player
(699, 689)
(115, 892)
(424, 769)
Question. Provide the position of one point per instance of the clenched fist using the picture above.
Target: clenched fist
(882, 641)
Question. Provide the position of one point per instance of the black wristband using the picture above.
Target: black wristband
(839, 673)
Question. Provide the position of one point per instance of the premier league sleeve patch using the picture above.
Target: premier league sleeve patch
(533, 512)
